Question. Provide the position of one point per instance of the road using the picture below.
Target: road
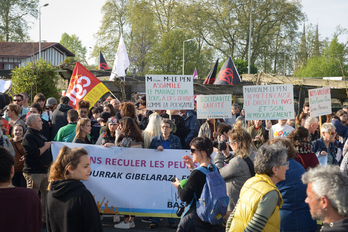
(108, 226)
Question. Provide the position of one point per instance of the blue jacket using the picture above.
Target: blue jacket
(192, 125)
(295, 214)
(318, 146)
(157, 141)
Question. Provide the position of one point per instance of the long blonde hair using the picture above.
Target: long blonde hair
(82, 122)
(152, 129)
(66, 157)
(243, 139)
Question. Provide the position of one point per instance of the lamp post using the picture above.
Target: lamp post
(251, 15)
(40, 28)
(183, 55)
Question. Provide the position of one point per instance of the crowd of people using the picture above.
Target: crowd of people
(280, 175)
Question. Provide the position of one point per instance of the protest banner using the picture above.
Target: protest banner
(214, 106)
(4, 85)
(84, 86)
(269, 102)
(169, 92)
(320, 101)
(136, 181)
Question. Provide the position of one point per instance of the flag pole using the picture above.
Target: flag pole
(114, 96)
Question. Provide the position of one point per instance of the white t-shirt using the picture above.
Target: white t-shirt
(281, 131)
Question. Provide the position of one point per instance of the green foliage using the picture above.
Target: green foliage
(74, 44)
(330, 64)
(36, 77)
(14, 15)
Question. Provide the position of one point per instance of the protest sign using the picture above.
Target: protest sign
(133, 180)
(169, 92)
(269, 102)
(4, 85)
(319, 101)
(214, 106)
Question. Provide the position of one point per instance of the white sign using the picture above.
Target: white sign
(132, 180)
(169, 92)
(4, 85)
(269, 102)
(214, 106)
(320, 101)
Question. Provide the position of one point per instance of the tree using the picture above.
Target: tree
(36, 77)
(14, 15)
(332, 63)
(74, 44)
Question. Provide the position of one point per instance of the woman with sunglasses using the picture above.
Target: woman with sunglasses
(324, 147)
(201, 150)
(107, 138)
(294, 214)
(237, 170)
(258, 206)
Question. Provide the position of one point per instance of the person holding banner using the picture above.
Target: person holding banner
(324, 147)
(70, 205)
(107, 138)
(209, 129)
(83, 129)
(257, 133)
(201, 150)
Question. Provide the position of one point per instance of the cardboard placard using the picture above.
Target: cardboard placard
(214, 106)
(169, 92)
(320, 101)
(269, 102)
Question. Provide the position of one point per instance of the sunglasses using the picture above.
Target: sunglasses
(112, 121)
(17, 100)
(286, 164)
(331, 133)
(193, 150)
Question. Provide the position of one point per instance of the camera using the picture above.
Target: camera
(220, 145)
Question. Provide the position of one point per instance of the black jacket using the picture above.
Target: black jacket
(71, 207)
(34, 162)
(59, 118)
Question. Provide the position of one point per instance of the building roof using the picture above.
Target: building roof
(23, 50)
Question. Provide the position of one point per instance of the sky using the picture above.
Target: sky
(83, 18)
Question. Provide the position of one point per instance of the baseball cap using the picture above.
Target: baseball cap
(51, 101)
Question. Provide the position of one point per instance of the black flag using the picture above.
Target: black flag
(228, 74)
(212, 74)
(102, 62)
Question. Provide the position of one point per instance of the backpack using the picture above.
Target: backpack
(212, 205)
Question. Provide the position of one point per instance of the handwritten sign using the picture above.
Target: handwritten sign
(269, 102)
(320, 101)
(171, 92)
(214, 106)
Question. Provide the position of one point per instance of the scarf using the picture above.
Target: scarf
(305, 147)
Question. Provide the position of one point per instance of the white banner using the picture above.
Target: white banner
(4, 85)
(214, 106)
(132, 180)
(320, 101)
(269, 102)
(169, 92)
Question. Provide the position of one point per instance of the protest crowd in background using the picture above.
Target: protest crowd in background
(285, 175)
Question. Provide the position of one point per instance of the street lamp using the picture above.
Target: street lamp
(40, 28)
(183, 55)
(251, 15)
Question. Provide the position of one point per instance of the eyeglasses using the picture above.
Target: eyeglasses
(17, 100)
(332, 133)
(286, 164)
(193, 150)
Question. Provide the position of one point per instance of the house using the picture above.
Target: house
(17, 54)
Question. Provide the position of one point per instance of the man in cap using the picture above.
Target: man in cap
(51, 104)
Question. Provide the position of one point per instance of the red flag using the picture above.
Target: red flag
(84, 86)
(212, 74)
(228, 74)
